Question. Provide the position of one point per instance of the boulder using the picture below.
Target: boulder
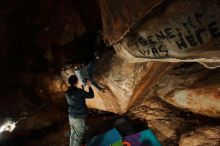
(165, 121)
(118, 17)
(124, 82)
(192, 87)
(205, 136)
(118, 78)
(181, 31)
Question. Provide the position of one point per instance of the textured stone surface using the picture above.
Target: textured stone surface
(206, 136)
(119, 16)
(119, 78)
(186, 31)
(155, 71)
(124, 82)
(165, 121)
(170, 123)
(192, 87)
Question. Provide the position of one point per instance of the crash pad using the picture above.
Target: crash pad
(143, 138)
(105, 139)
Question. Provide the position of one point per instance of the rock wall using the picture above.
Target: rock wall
(207, 136)
(174, 127)
(187, 31)
(118, 77)
(192, 87)
(165, 121)
(119, 16)
(124, 82)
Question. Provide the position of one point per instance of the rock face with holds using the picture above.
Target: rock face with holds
(124, 82)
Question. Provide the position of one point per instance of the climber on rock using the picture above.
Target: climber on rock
(77, 110)
(85, 72)
(85, 69)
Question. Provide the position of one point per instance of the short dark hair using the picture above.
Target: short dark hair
(72, 80)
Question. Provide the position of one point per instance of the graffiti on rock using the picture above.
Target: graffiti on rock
(151, 46)
(187, 34)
